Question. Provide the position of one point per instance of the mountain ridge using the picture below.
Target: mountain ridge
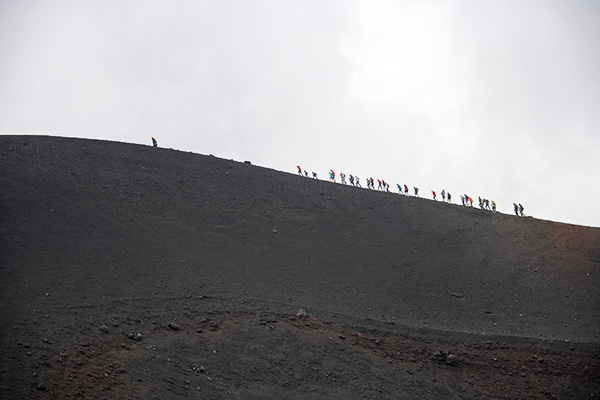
(100, 223)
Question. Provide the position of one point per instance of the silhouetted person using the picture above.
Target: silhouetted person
(516, 209)
(493, 206)
(521, 209)
(154, 142)
(416, 191)
(449, 198)
(299, 171)
(443, 195)
(314, 175)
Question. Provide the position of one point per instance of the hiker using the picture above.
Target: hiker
(306, 173)
(343, 177)
(486, 204)
(493, 206)
(332, 176)
(443, 195)
(399, 188)
(154, 142)
(351, 180)
(314, 175)
(379, 187)
(299, 170)
(521, 208)
(434, 195)
(406, 190)
(416, 191)
(462, 198)
(357, 182)
(449, 198)
(516, 209)
(471, 201)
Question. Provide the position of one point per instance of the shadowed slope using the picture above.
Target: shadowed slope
(94, 223)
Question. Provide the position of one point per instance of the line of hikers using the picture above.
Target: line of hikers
(519, 209)
(382, 185)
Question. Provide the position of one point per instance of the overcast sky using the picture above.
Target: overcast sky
(499, 99)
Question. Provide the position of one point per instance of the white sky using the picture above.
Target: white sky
(498, 99)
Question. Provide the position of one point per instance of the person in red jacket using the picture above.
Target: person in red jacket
(434, 195)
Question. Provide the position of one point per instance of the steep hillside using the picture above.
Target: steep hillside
(210, 260)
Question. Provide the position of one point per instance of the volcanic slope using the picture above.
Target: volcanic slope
(129, 271)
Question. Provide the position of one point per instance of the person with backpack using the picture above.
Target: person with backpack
(434, 195)
(299, 170)
(516, 207)
(521, 208)
(443, 195)
(406, 191)
(449, 198)
(154, 142)
(493, 206)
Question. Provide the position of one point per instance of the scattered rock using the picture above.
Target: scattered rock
(452, 360)
(457, 295)
(174, 326)
(301, 314)
(135, 336)
(275, 231)
(104, 328)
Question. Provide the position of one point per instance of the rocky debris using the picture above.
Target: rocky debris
(173, 326)
(135, 336)
(452, 360)
(301, 314)
(104, 328)
(200, 369)
(445, 357)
